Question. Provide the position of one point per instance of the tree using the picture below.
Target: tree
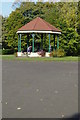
(61, 15)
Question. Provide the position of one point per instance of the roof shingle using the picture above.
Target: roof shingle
(38, 24)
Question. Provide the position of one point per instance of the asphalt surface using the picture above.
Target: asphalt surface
(39, 89)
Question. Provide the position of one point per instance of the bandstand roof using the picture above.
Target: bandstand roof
(38, 25)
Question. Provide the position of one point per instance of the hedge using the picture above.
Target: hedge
(7, 52)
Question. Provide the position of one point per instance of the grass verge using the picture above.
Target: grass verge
(68, 58)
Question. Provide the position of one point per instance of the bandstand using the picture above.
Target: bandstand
(37, 25)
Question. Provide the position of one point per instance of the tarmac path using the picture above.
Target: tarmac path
(39, 89)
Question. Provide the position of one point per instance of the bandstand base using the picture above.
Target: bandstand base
(32, 54)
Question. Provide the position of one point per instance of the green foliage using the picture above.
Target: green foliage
(78, 18)
(7, 51)
(53, 54)
(0, 51)
(60, 53)
(64, 16)
(15, 54)
(70, 40)
(57, 53)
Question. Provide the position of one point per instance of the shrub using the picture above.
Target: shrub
(43, 53)
(7, 51)
(15, 54)
(57, 53)
(53, 54)
(0, 51)
(60, 53)
(15, 50)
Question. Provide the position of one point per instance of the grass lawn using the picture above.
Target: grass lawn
(12, 57)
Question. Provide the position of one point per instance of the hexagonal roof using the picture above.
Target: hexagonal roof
(38, 24)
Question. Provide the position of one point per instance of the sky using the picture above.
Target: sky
(6, 7)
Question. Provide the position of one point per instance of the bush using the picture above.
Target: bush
(0, 51)
(15, 54)
(57, 53)
(15, 50)
(42, 53)
(53, 54)
(7, 51)
(60, 53)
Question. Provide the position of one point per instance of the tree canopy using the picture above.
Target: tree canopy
(65, 16)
